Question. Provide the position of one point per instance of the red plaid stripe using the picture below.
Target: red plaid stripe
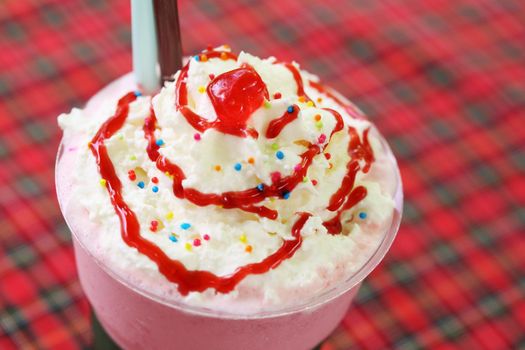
(444, 81)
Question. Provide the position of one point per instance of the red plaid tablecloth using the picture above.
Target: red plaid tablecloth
(443, 80)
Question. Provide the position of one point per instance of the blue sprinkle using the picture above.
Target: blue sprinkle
(137, 93)
(286, 195)
(141, 184)
(197, 58)
(159, 142)
(155, 189)
(279, 155)
(173, 239)
(362, 215)
(290, 109)
(260, 187)
(237, 166)
(185, 226)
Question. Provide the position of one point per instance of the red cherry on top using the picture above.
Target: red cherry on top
(235, 95)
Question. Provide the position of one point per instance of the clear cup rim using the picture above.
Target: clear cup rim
(308, 304)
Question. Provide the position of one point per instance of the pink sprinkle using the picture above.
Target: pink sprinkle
(276, 176)
(322, 138)
(196, 242)
(206, 237)
(197, 137)
(154, 223)
(297, 167)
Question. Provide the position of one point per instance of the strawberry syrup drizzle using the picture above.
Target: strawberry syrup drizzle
(187, 280)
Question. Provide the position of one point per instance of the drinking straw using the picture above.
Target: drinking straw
(168, 38)
(144, 45)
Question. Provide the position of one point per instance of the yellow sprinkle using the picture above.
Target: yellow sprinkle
(243, 238)
(248, 249)
(310, 104)
(202, 89)
(169, 216)
(302, 99)
(103, 182)
(188, 246)
(133, 158)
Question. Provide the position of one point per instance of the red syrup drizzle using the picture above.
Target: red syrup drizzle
(174, 270)
(277, 125)
(350, 109)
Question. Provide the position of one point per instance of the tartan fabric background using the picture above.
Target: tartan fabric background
(443, 80)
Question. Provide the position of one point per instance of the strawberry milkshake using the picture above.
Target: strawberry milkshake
(238, 208)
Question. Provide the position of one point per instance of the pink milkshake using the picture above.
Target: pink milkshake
(238, 208)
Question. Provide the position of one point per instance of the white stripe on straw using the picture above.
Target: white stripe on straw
(144, 45)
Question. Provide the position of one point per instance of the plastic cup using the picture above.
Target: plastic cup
(137, 319)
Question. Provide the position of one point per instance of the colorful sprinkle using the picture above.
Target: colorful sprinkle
(319, 125)
(169, 215)
(286, 194)
(103, 182)
(185, 225)
(173, 239)
(277, 95)
(305, 179)
(321, 138)
(243, 238)
(319, 100)
(154, 225)
(362, 215)
(275, 146)
(132, 176)
(260, 187)
(206, 237)
(202, 89)
(310, 103)
(327, 156)
(204, 58)
(141, 184)
(297, 167)
(302, 98)
(197, 58)
(159, 142)
(133, 158)
(155, 180)
(188, 246)
(237, 166)
(137, 93)
(217, 168)
(212, 76)
(197, 137)
(196, 242)
(330, 165)
(248, 249)
(279, 154)
(317, 117)
(155, 189)
(251, 160)
(314, 182)
(290, 109)
(275, 176)
(267, 105)
(224, 56)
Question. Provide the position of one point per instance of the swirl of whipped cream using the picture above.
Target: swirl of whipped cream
(244, 179)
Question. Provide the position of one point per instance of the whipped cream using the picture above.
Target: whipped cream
(216, 238)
